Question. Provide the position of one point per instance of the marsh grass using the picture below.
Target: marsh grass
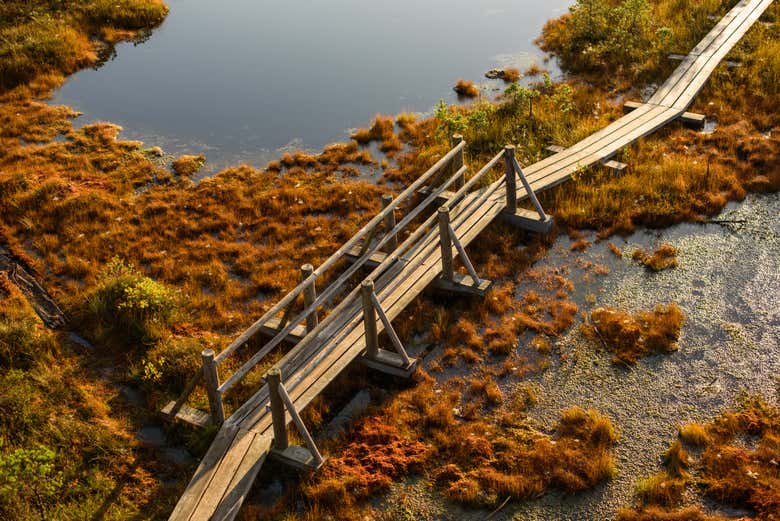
(631, 337)
(727, 472)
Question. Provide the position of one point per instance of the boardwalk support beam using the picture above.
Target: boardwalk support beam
(292, 455)
(689, 119)
(451, 280)
(398, 363)
(457, 161)
(309, 296)
(211, 378)
(392, 242)
(538, 222)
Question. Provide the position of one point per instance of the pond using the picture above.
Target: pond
(243, 79)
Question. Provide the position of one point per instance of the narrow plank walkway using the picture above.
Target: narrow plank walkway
(226, 473)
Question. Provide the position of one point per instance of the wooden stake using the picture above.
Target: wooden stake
(211, 378)
(445, 240)
(457, 160)
(511, 182)
(392, 242)
(302, 430)
(274, 379)
(369, 319)
(309, 296)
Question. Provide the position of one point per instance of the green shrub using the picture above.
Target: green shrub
(20, 410)
(171, 363)
(28, 476)
(602, 36)
(127, 307)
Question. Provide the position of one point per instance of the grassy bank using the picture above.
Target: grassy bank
(152, 268)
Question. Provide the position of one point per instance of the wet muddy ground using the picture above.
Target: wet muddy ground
(727, 283)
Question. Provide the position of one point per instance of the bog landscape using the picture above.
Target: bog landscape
(538, 280)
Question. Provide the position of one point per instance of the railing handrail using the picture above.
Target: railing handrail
(393, 257)
(252, 330)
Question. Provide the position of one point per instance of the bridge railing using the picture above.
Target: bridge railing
(451, 165)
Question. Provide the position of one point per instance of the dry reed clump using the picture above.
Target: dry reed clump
(510, 74)
(188, 166)
(728, 471)
(466, 89)
(631, 337)
(694, 435)
(664, 257)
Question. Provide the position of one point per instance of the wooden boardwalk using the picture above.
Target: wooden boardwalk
(226, 473)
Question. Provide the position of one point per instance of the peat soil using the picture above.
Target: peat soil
(728, 285)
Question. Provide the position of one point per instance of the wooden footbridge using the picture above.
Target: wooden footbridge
(399, 272)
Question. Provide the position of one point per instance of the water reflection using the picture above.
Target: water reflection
(239, 79)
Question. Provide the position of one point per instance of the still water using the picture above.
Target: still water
(240, 79)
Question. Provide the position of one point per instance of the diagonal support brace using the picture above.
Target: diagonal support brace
(541, 222)
(398, 363)
(290, 454)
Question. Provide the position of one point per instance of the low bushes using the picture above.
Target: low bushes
(128, 308)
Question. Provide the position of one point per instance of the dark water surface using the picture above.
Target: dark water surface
(240, 79)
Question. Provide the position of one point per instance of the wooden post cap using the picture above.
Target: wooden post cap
(368, 285)
(509, 149)
(307, 269)
(387, 199)
(457, 138)
(207, 353)
(273, 372)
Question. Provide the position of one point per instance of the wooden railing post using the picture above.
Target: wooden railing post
(211, 378)
(511, 181)
(445, 240)
(274, 378)
(369, 319)
(392, 243)
(309, 296)
(457, 160)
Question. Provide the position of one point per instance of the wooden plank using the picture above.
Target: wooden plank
(187, 414)
(712, 52)
(223, 475)
(271, 328)
(243, 479)
(720, 53)
(189, 500)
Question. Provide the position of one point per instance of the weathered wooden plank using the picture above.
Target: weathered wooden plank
(187, 414)
(243, 479)
(271, 328)
(203, 474)
(694, 87)
(712, 53)
(223, 474)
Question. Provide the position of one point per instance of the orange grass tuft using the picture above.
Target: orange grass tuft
(632, 337)
(466, 89)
